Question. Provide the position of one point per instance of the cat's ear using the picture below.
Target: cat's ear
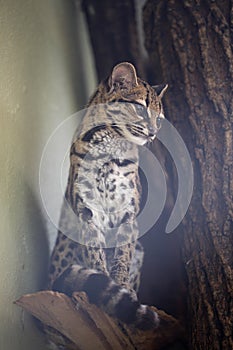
(160, 89)
(123, 76)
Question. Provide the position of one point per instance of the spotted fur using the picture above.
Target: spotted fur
(103, 197)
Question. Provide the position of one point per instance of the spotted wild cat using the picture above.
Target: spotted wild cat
(96, 249)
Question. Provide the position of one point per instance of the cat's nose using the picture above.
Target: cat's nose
(152, 131)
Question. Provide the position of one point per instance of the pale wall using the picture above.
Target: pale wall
(40, 77)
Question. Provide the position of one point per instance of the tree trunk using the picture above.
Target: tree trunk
(190, 47)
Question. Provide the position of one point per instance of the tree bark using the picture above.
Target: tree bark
(190, 44)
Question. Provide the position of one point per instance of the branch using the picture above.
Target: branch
(84, 325)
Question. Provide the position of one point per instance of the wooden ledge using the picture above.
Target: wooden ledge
(77, 324)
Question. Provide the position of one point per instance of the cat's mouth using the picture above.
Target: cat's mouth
(140, 135)
(141, 132)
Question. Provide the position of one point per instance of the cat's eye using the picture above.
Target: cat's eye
(141, 110)
(159, 121)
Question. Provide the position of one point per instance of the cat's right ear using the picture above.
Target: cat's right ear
(160, 89)
(123, 76)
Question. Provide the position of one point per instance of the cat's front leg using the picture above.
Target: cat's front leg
(126, 240)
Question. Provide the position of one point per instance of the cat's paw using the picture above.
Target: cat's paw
(128, 309)
(146, 318)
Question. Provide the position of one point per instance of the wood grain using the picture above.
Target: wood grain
(77, 324)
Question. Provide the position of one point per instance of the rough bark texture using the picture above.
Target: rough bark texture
(76, 324)
(190, 44)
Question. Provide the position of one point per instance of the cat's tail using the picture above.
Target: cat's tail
(114, 299)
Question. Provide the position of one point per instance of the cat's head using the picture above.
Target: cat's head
(142, 102)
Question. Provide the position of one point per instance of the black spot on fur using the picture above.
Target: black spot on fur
(64, 263)
(128, 173)
(80, 258)
(69, 255)
(126, 309)
(131, 184)
(86, 214)
(94, 286)
(72, 245)
(113, 188)
(125, 218)
(90, 133)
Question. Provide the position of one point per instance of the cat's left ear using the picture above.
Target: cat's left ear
(160, 89)
(123, 76)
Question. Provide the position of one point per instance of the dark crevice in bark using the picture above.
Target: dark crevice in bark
(114, 34)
